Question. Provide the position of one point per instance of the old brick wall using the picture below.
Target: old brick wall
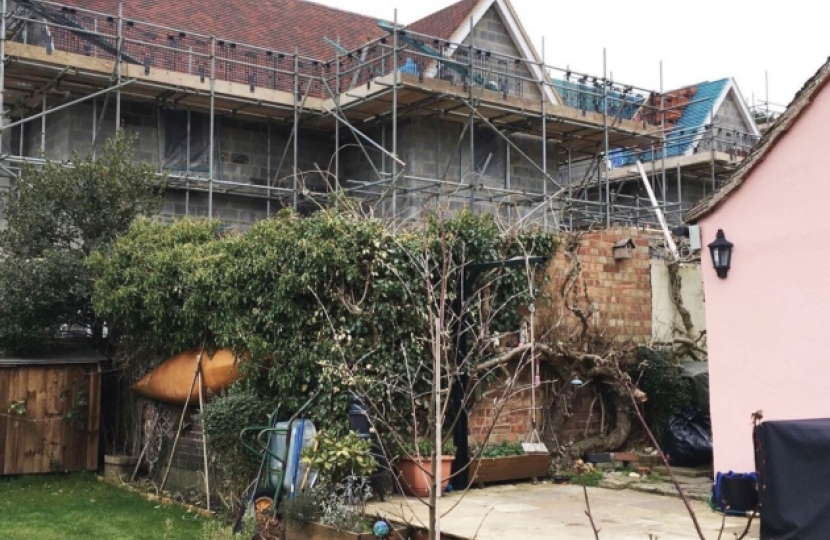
(619, 291)
(621, 294)
(506, 416)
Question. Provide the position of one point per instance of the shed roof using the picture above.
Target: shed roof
(775, 133)
(68, 354)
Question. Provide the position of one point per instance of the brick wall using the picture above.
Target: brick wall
(620, 291)
(513, 421)
(621, 294)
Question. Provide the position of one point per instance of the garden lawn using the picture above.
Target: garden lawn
(79, 507)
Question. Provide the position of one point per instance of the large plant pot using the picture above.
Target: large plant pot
(416, 478)
(316, 531)
(119, 467)
(505, 469)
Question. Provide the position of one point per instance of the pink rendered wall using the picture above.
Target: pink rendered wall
(768, 322)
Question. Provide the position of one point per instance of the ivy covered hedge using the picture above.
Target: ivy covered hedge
(302, 296)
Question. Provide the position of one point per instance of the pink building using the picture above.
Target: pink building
(768, 321)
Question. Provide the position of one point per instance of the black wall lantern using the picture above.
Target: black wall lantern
(721, 250)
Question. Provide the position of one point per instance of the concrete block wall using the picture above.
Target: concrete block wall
(249, 153)
(491, 34)
(235, 211)
(242, 150)
(693, 188)
(728, 119)
(430, 147)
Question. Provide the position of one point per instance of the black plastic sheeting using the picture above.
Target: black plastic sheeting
(793, 461)
(177, 141)
(697, 375)
(687, 440)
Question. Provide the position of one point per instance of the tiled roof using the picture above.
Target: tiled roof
(771, 137)
(688, 123)
(443, 24)
(695, 117)
(278, 25)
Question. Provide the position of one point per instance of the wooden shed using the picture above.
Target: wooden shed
(50, 410)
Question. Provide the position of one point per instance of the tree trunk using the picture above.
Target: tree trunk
(618, 435)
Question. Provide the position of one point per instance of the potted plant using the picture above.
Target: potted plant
(415, 467)
(335, 508)
(507, 461)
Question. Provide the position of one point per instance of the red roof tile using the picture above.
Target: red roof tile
(278, 25)
(443, 24)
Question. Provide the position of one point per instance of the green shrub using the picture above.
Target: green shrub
(588, 478)
(338, 457)
(425, 446)
(216, 530)
(661, 381)
(224, 417)
(502, 449)
(323, 305)
(305, 507)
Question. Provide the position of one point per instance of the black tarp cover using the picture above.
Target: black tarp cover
(793, 460)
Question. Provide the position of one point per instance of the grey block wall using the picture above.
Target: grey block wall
(250, 153)
(247, 153)
(691, 191)
(491, 34)
(731, 128)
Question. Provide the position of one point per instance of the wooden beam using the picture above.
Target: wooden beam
(157, 75)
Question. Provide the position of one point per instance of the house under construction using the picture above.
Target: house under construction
(250, 107)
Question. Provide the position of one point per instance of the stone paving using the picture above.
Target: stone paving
(550, 511)
(696, 483)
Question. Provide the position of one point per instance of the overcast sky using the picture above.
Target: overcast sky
(697, 41)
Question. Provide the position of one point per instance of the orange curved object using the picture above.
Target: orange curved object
(171, 380)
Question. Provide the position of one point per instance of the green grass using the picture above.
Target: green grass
(79, 507)
(590, 478)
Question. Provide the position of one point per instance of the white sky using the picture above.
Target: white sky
(697, 41)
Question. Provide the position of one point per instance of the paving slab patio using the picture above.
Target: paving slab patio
(548, 511)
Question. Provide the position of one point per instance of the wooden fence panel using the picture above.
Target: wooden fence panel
(5, 401)
(44, 439)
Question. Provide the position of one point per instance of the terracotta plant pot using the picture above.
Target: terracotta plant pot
(416, 478)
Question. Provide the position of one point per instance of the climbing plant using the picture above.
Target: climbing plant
(319, 305)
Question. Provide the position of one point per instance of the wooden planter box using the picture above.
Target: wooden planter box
(316, 531)
(503, 469)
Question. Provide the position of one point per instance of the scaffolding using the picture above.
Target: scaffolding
(57, 56)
